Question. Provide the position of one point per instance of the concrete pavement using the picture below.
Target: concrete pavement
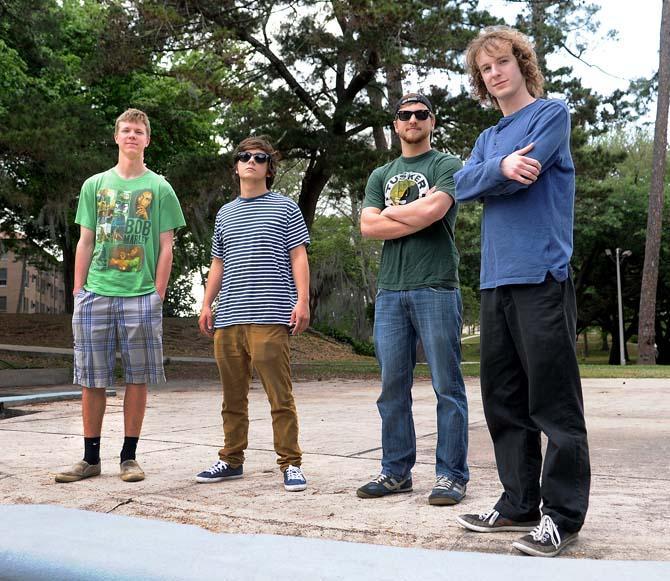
(629, 437)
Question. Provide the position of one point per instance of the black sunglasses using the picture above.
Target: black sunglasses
(421, 115)
(245, 156)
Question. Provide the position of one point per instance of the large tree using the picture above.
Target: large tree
(329, 69)
(69, 69)
(647, 329)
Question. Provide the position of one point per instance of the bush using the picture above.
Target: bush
(359, 347)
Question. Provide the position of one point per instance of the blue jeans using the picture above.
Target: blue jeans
(433, 315)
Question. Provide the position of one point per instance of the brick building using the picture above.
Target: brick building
(27, 288)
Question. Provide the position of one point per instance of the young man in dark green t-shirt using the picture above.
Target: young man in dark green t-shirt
(409, 204)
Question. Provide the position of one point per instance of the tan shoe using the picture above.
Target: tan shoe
(79, 471)
(131, 471)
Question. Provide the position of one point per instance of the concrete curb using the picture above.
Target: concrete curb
(50, 542)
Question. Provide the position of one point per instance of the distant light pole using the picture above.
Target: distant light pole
(620, 255)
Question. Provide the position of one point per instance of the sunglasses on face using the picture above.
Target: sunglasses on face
(245, 156)
(421, 115)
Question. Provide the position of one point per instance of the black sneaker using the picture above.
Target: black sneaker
(493, 522)
(545, 540)
(446, 492)
(219, 471)
(384, 485)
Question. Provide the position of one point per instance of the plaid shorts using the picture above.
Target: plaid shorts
(135, 323)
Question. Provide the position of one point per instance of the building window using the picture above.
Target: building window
(3, 304)
(26, 279)
(3, 277)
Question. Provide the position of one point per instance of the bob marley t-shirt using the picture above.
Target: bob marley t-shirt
(127, 217)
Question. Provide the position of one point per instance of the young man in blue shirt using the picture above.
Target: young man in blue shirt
(522, 171)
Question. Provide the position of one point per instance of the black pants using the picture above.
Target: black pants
(530, 384)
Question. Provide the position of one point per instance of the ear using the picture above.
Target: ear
(395, 125)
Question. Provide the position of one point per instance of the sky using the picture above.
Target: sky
(615, 62)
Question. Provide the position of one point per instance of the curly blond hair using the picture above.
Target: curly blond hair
(493, 39)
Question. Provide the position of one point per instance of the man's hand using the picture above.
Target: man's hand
(299, 317)
(516, 166)
(205, 321)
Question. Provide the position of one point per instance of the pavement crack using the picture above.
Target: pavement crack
(118, 505)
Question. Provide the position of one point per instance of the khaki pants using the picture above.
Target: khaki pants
(237, 350)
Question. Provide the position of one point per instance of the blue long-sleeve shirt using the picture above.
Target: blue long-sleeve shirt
(526, 230)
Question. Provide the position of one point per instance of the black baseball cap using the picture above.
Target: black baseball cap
(413, 98)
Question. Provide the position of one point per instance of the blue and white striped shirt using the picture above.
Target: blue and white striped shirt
(253, 237)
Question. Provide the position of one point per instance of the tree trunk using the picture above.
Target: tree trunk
(586, 343)
(538, 27)
(375, 96)
(68, 274)
(646, 330)
(394, 91)
(316, 177)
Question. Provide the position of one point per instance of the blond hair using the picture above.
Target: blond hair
(133, 116)
(492, 40)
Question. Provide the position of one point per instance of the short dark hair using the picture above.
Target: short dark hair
(261, 142)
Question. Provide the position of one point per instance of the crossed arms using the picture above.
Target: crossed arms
(398, 221)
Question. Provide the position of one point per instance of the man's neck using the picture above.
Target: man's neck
(515, 103)
(414, 149)
(129, 169)
(252, 188)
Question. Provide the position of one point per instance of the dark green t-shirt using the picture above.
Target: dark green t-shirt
(428, 257)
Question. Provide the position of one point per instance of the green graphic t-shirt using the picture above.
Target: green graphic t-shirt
(428, 257)
(127, 217)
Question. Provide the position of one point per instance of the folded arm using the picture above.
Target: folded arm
(508, 174)
(422, 212)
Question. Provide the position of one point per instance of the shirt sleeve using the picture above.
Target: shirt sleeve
(374, 191)
(217, 241)
(86, 207)
(548, 131)
(444, 176)
(297, 233)
(171, 217)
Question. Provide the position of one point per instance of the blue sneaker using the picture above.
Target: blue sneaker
(384, 485)
(446, 492)
(219, 471)
(294, 479)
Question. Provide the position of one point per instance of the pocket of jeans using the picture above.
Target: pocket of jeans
(442, 289)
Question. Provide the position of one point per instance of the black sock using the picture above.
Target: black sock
(129, 447)
(92, 450)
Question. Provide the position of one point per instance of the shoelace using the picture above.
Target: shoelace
(380, 478)
(546, 530)
(219, 465)
(491, 516)
(444, 482)
(294, 473)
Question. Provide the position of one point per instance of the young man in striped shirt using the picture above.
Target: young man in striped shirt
(260, 274)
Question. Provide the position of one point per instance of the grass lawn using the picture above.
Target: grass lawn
(593, 366)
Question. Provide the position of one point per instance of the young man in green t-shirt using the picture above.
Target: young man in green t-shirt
(127, 216)
(409, 204)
